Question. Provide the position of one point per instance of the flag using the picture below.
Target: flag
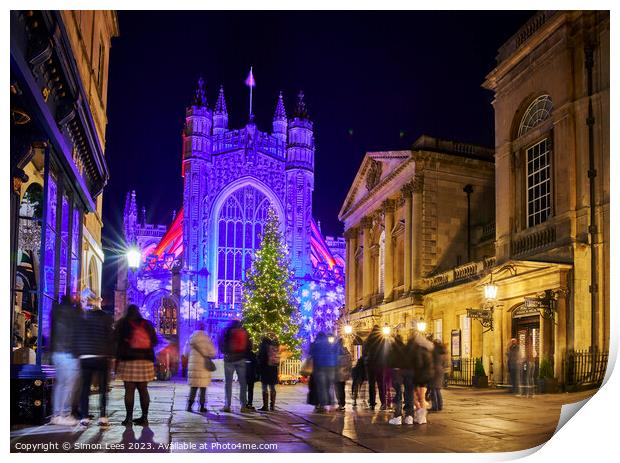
(250, 82)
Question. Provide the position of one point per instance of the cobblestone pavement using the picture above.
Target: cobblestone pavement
(472, 421)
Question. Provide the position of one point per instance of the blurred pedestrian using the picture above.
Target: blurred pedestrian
(95, 347)
(251, 374)
(402, 382)
(65, 318)
(513, 365)
(343, 373)
(436, 384)
(375, 351)
(358, 374)
(420, 353)
(135, 342)
(199, 366)
(527, 374)
(234, 343)
(324, 366)
(268, 364)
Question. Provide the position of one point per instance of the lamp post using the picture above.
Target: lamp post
(421, 325)
(134, 256)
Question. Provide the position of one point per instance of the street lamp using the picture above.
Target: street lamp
(134, 256)
(386, 330)
(331, 339)
(421, 326)
(348, 329)
(490, 290)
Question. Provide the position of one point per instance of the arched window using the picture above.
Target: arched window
(537, 163)
(240, 225)
(93, 280)
(167, 317)
(382, 262)
(538, 111)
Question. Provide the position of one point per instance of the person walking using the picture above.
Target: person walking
(234, 344)
(324, 359)
(95, 347)
(201, 351)
(268, 364)
(251, 374)
(343, 373)
(439, 360)
(514, 357)
(358, 374)
(402, 382)
(375, 351)
(420, 352)
(136, 339)
(65, 318)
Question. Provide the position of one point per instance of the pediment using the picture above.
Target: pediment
(375, 169)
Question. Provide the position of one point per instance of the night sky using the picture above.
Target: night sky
(373, 81)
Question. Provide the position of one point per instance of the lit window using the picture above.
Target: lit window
(438, 329)
(241, 222)
(537, 112)
(538, 183)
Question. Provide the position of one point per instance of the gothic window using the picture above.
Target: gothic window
(538, 111)
(382, 262)
(538, 183)
(167, 317)
(241, 222)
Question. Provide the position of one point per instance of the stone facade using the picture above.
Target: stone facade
(406, 220)
(197, 264)
(548, 235)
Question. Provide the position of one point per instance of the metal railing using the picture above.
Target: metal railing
(585, 368)
(288, 371)
(461, 371)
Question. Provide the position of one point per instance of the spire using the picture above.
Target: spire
(200, 98)
(220, 105)
(301, 111)
(280, 111)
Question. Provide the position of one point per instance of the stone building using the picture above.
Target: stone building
(59, 74)
(193, 269)
(538, 262)
(551, 87)
(408, 216)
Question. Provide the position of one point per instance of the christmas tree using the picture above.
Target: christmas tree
(269, 303)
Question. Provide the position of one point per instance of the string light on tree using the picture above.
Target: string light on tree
(269, 303)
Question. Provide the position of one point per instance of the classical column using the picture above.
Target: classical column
(351, 270)
(388, 258)
(560, 342)
(406, 191)
(367, 262)
(417, 186)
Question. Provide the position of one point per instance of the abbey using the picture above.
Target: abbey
(194, 269)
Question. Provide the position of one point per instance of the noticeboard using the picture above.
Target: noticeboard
(456, 343)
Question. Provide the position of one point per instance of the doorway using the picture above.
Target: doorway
(527, 332)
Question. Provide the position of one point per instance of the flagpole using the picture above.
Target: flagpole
(251, 93)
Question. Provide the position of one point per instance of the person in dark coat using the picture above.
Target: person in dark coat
(251, 374)
(375, 351)
(324, 360)
(268, 364)
(514, 357)
(436, 384)
(95, 347)
(402, 382)
(358, 374)
(343, 373)
(234, 344)
(135, 355)
(64, 357)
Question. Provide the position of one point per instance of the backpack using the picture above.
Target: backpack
(140, 337)
(238, 341)
(273, 355)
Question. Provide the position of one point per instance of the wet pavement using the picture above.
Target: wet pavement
(472, 421)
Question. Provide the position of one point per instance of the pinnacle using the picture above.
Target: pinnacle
(200, 98)
(301, 111)
(280, 111)
(220, 105)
